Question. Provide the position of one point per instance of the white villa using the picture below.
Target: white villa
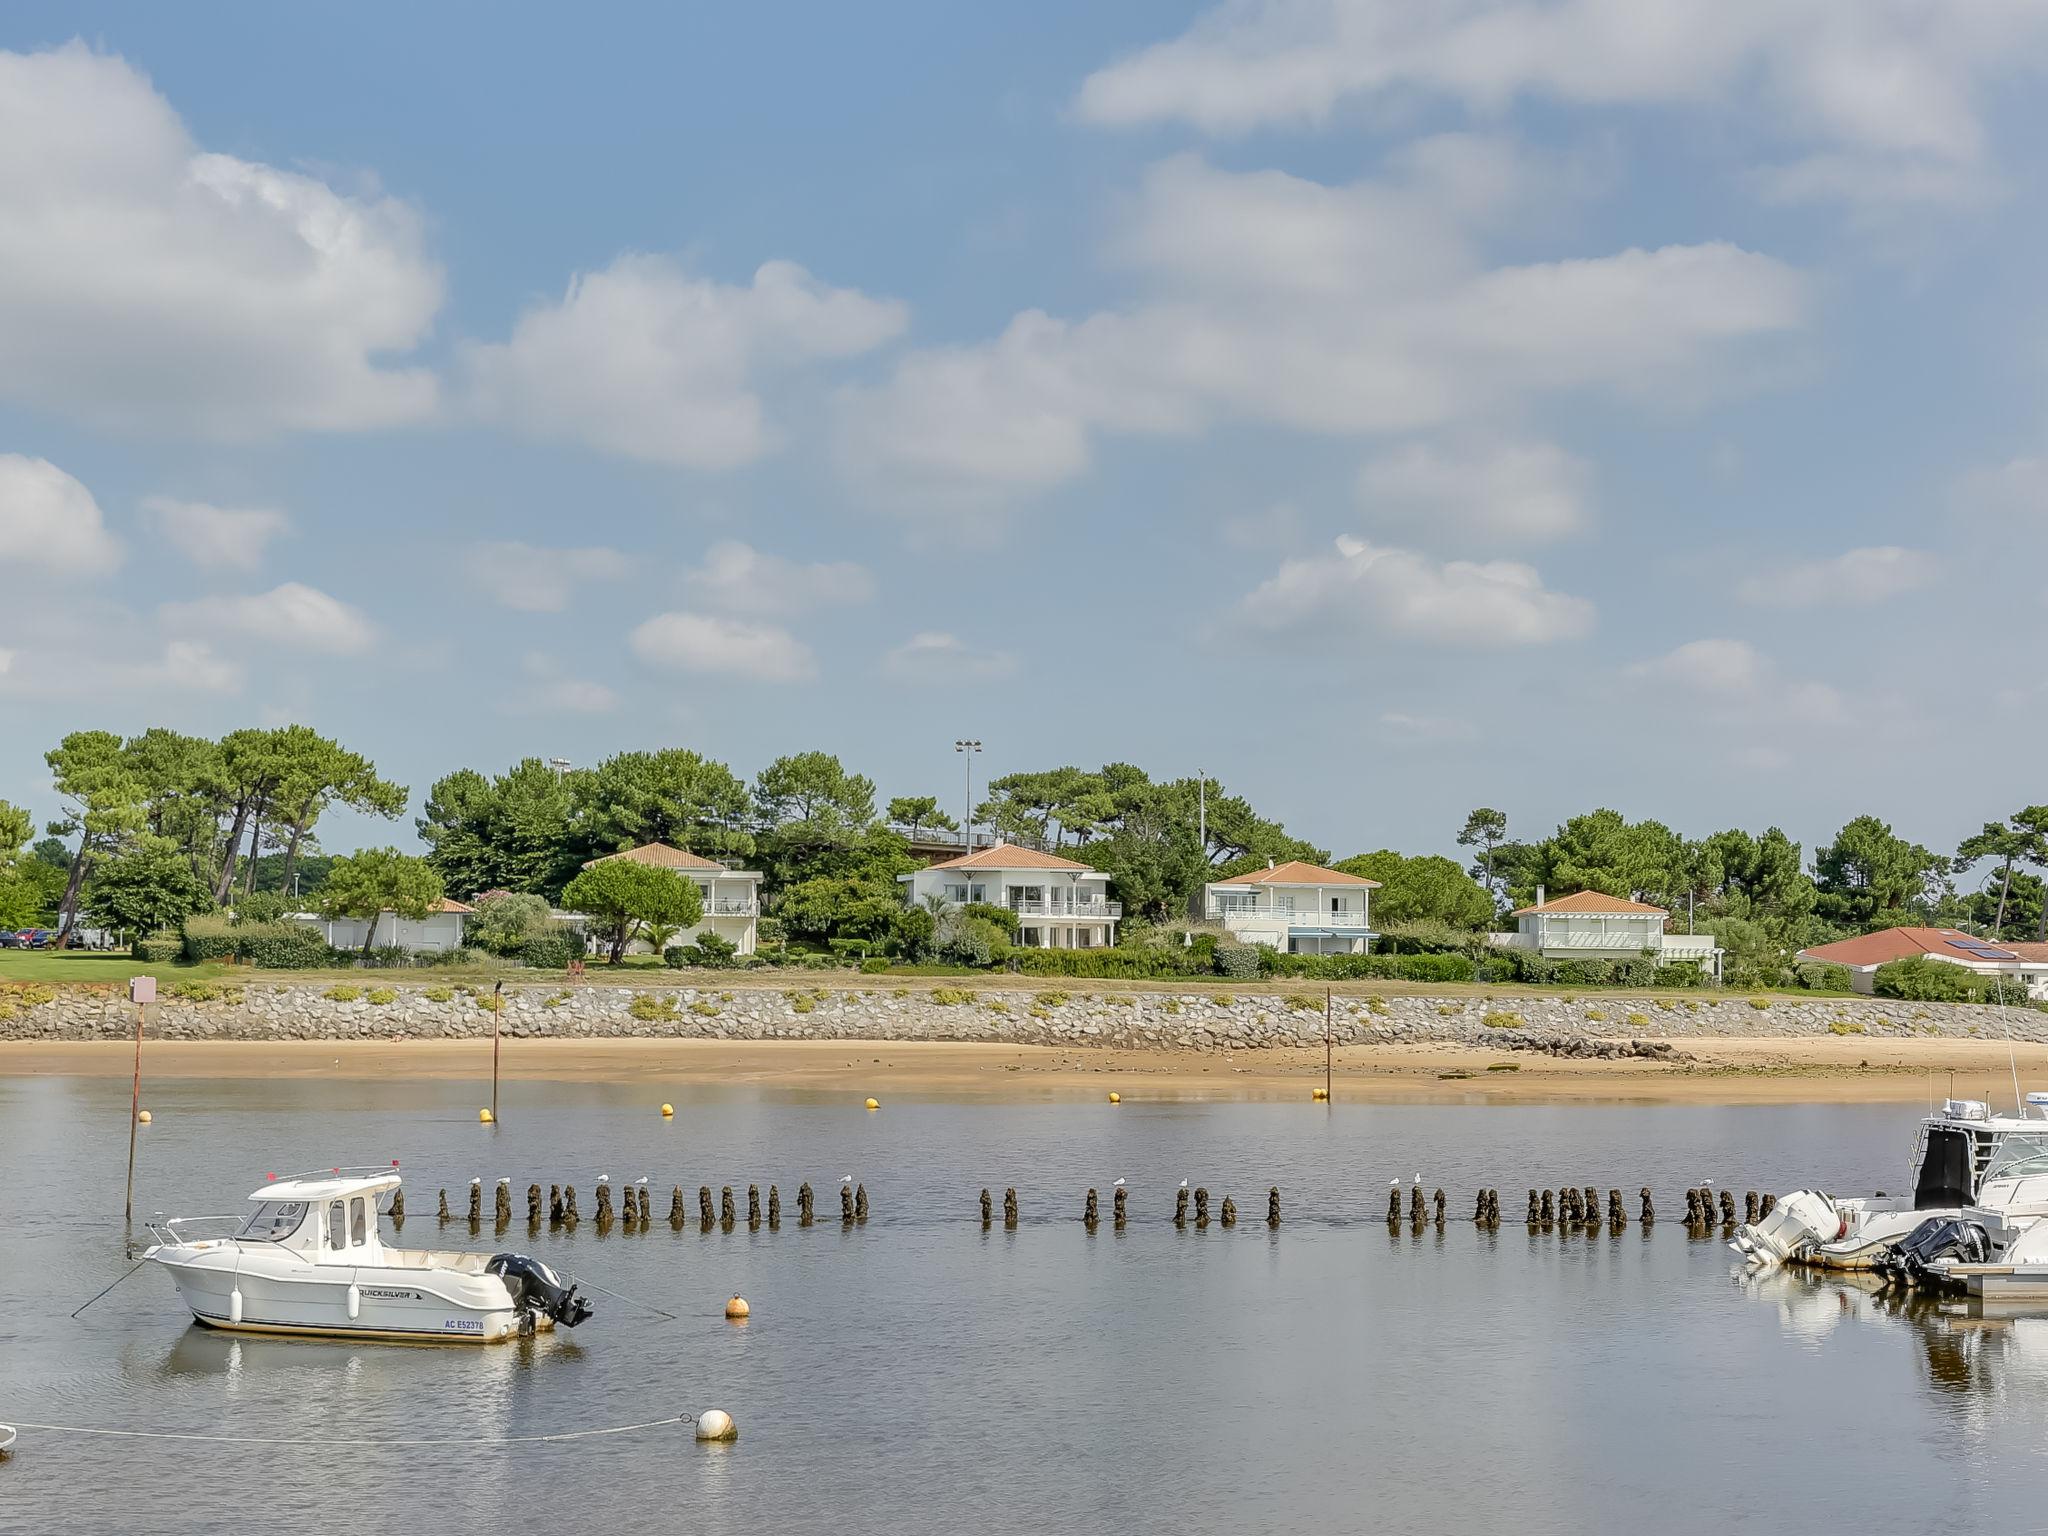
(1296, 907)
(1059, 904)
(732, 897)
(1591, 925)
(442, 928)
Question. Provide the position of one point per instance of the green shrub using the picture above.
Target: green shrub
(260, 907)
(1124, 962)
(874, 965)
(157, 948)
(1052, 999)
(947, 997)
(1638, 1020)
(341, 993)
(1119, 1000)
(1002, 917)
(998, 1007)
(1378, 1004)
(207, 992)
(1819, 976)
(559, 1000)
(1223, 1000)
(1760, 1004)
(1596, 1016)
(648, 1007)
(704, 1010)
(1425, 936)
(1845, 1026)
(383, 997)
(1496, 968)
(1498, 1019)
(271, 946)
(449, 958)
(1921, 980)
(1684, 973)
(439, 994)
(490, 1002)
(549, 952)
(1239, 962)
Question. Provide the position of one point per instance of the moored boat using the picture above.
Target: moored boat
(310, 1260)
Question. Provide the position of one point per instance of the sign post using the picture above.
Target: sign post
(1326, 1043)
(141, 992)
(497, 1018)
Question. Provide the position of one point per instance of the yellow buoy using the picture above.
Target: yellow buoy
(142, 1116)
(737, 1308)
(716, 1424)
(485, 1117)
(1320, 1093)
(874, 1103)
(1116, 1098)
(667, 1110)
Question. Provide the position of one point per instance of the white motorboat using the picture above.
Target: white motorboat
(1958, 1144)
(310, 1260)
(1997, 1247)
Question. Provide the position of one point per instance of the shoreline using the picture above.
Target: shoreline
(1752, 1070)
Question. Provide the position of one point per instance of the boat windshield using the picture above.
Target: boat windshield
(274, 1221)
(2019, 1156)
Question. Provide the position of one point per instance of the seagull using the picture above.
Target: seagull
(1393, 1183)
(641, 1181)
(604, 1178)
(476, 1181)
(1183, 1183)
(1418, 1178)
(504, 1181)
(846, 1178)
(1119, 1184)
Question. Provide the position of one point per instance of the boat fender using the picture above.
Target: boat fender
(355, 1302)
(235, 1305)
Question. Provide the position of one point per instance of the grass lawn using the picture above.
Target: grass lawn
(111, 967)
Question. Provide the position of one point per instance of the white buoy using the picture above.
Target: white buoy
(716, 1424)
(6, 1438)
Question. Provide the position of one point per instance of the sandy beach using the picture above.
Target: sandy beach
(1732, 1071)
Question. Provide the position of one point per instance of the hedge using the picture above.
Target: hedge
(549, 952)
(157, 948)
(1113, 964)
(273, 946)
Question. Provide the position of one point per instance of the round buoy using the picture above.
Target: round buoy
(716, 1424)
(1116, 1098)
(668, 1111)
(1320, 1093)
(142, 1115)
(874, 1103)
(6, 1438)
(485, 1117)
(737, 1308)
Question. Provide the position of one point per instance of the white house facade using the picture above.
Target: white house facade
(443, 928)
(1060, 904)
(732, 897)
(2026, 964)
(1591, 925)
(1295, 907)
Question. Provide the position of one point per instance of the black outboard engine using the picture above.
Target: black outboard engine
(537, 1289)
(1939, 1237)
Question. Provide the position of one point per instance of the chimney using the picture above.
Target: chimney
(1539, 895)
(1270, 864)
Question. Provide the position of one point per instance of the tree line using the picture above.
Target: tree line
(156, 827)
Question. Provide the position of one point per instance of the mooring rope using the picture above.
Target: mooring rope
(325, 1440)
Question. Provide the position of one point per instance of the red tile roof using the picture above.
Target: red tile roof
(1295, 872)
(1598, 902)
(1889, 944)
(446, 905)
(1009, 856)
(661, 856)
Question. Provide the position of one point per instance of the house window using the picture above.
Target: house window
(1283, 903)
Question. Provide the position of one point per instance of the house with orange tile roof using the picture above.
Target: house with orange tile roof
(1060, 903)
(732, 897)
(1298, 908)
(2026, 963)
(1591, 925)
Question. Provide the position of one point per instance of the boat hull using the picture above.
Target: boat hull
(225, 1289)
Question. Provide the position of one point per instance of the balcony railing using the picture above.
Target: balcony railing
(1094, 909)
(1267, 917)
(730, 908)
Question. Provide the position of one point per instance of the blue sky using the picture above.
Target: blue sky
(1387, 410)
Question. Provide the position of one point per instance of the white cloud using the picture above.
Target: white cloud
(293, 615)
(49, 521)
(1888, 96)
(935, 656)
(644, 360)
(1341, 310)
(2016, 490)
(696, 642)
(1497, 603)
(741, 579)
(74, 671)
(530, 579)
(1525, 491)
(549, 688)
(1853, 578)
(147, 284)
(216, 536)
(1734, 677)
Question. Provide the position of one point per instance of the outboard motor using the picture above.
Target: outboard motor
(537, 1289)
(1911, 1262)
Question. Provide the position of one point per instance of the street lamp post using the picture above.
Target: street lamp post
(1202, 811)
(967, 749)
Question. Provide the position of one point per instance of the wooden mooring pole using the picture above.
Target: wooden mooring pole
(141, 990)
(1326, 1044)
(497, 1017)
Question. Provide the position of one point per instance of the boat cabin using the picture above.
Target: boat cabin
(330, 1218)
(1957, 1146)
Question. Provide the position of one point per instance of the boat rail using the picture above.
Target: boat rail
(172, 1234)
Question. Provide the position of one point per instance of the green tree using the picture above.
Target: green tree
(2008, 844)
(1425, 888)
(1870, 878)
(672, 796)
(20, 896)
(102, 804)
(148, 886)
(623, 896)
(515, 832)
(181, 782)
(505, 921)
(1485, 829)
(840, 907)
(818, 820)
(318, 773)
(252, 762)
(368, 884)
(919, 812)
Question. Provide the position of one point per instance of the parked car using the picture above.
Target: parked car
(38, 938)
(11, 940)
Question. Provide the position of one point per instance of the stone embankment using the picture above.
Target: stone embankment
(1587, 1025)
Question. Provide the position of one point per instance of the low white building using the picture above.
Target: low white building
(1060, 904)
(1591, 925)
(2026, 964)
(1299, 908)
(443, 928)
(732, 897)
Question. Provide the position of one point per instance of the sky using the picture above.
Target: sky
(1383, 409)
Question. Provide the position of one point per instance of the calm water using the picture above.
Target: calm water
(918, 1375)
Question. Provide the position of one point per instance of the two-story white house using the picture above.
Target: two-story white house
(1591, 925)
(1296, 907)
(732, 897)
(1060, 904)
